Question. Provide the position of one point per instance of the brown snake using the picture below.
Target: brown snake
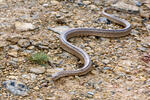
(87, 32)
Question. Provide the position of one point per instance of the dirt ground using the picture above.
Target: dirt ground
(121, 66)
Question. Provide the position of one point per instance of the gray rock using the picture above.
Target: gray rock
(93, 7)
(35, 16)
(134, 32)
(72, 92)
(2, 33)
(13, 53)
(105, 61)
(126, 7)
(14, 38)
(25, 17)
(142, 49)
(148, 81)
(13, 63)
(71, 0)
(24, 43)
(38, 70)
(3, 44)
(15, 87)
(24, 26)
(97, 2)
(14, 47)
(52, 46)
(59, 29)
(28, 51)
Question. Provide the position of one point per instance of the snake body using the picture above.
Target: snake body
(78, 52)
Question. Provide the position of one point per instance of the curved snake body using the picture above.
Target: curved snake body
(87, 32)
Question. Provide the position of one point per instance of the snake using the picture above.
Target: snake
(80, 32)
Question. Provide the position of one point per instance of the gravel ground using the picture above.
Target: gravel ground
(120, 65)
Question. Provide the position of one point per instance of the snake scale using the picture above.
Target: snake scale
(78, 52)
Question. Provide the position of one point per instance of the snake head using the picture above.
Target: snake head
(55, 76)
(58, 75)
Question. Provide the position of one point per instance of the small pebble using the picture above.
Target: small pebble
(93, 7)
(3, 44)
(97, 2)
(134, 32)
(86, 2)
(45, 5)
(80, 4)
(90, 94)
(13, 63)
(112, 92)
(14, 38)
(24, 43)
(142, 49)
(13, 53)
(36, 88)
(31, 47)
(144, 14)
(107, 68)
(14, 47)
(148, 27)
(103, 20)
(29, 76)
(138, 3)
(105, 61)
(54, 2)
(43, 47)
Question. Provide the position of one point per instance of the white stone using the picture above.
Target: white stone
(24, 26)
(126, 63)
(86, 2)
(13, 53)
(148, 27)
(37, 70)
(1, 1)
(23, 42)
(54, 2)
(60, 29)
